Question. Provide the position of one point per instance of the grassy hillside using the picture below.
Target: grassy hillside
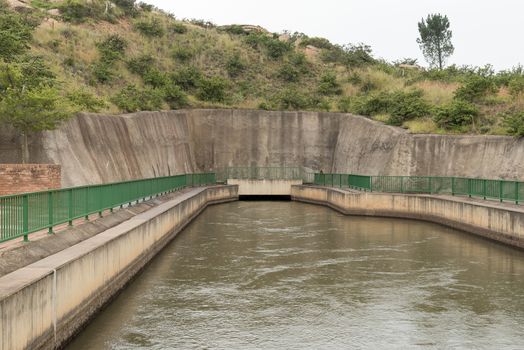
(123, 57)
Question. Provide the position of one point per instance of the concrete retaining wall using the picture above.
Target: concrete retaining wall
(46, 303)
(489, 220)
(264, 187)
(106, 148)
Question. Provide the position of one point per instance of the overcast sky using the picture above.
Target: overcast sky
(484, 31)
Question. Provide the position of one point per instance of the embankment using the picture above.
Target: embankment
(44, 304)
(101, 148)
(503, 224)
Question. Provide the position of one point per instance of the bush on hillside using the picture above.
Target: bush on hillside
(187, 78)
(132, 99)
(178, 28)
(175, 97)
(329, 85)
(289, 73)
(400, 105)
(86, 101)
(212, 89)
(320, 43)
(155, 78)
(476, 88)
(274, 48)
(141, 64)
(152, 28)
(455, 115)
(516, 86)
(514, 122)
(112, 48)
(15, 34)
(291, 98)
(235, 66)
(182, 53)
(102, 72)
(128, 6)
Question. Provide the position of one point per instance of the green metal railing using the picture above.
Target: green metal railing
(265, 173)
(501, 190)
(26, 213)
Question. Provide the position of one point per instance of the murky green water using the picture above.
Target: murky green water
(283, 275)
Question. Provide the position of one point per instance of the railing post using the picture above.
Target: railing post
(371, 184)
(70, 206)
(501, 193)
(517, 192)
(430, 188)
(469, 188)
(25, 217)
(87, 204)
(402, 184)
(484, 188)
(452, 186)
(50, 211)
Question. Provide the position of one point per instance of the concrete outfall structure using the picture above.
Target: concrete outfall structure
(105, 148)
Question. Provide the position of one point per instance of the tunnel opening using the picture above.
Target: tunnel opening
(266, 198)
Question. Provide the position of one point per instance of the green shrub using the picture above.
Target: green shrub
(234, 29)
(289, 73)
(320, 43)
(112, 48)
(475, 88)
(455, 115)
(178, 28)
(86, 101)
(154, 77)
(349, 55)
(182, 53)
(146, 7)
(406, 106)
(141, 64)
(152, 28)
(235, 66)
(132, 99)
(514, 122)
(103, 72)
(402, 106)
(15, 34)
(212, 89)
(128, 6)
(291, 98)
(77, 11)
(187, 78)
(516, 86)
(329, 85)
(274, 48)
(175, 97)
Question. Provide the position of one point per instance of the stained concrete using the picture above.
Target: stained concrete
(101, 148)
(264, 187)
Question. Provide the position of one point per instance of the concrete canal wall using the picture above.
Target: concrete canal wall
(503, 224)
(44, 304)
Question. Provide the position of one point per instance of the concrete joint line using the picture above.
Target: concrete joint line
(54, 305)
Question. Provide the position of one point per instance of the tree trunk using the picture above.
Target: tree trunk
(25, 148)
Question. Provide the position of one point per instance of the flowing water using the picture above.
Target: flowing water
(285, 275)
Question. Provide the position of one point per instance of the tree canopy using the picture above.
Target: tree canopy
(435, 39)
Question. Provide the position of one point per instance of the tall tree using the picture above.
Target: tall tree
(435, 39)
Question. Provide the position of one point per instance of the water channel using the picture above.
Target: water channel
(286, 275)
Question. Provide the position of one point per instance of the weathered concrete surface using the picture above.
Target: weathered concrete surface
(15, 255)
(96, 148)
(42, 305)
(503, 224)
(264, 187)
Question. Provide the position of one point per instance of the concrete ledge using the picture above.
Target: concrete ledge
(44, 304)
(504, 225)
(264, 187)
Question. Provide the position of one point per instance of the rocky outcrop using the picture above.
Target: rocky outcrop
(101, 148)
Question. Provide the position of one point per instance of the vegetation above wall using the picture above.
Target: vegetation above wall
(120, 56)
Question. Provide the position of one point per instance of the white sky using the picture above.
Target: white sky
(483, 31)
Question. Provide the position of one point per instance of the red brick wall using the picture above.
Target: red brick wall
(19, 178)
